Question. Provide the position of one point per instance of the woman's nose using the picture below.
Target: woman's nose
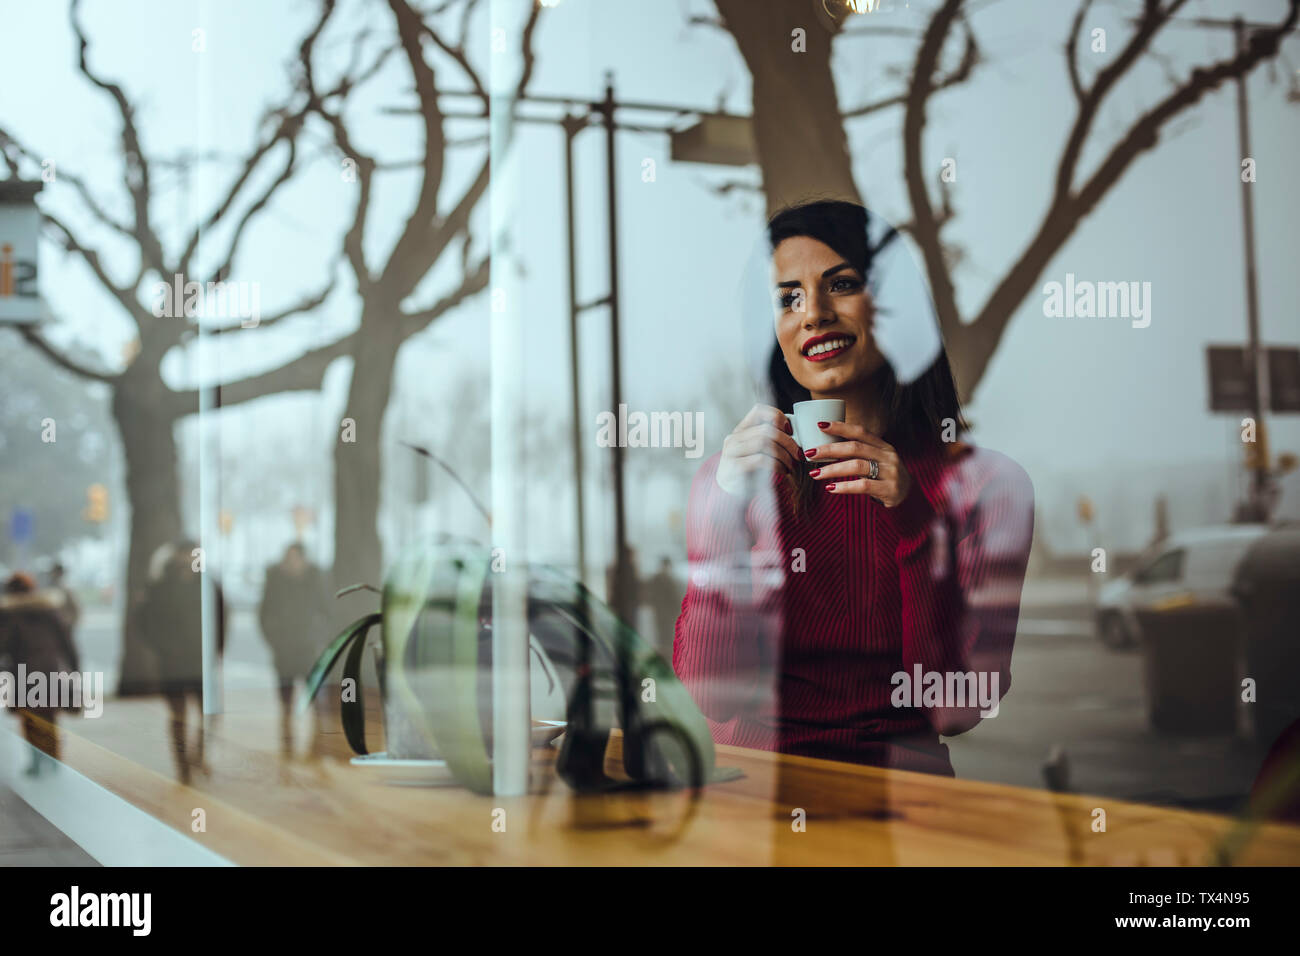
(816, 310)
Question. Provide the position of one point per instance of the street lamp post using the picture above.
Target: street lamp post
(1256, 503)
(718, 138)
(622, 598)
(1255, 355)
(572, 126)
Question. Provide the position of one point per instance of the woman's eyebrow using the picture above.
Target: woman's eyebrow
(794, 283)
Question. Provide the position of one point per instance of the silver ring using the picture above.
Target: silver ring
(875, 469)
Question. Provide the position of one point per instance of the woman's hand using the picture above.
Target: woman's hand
(857, 451)
(761, 443)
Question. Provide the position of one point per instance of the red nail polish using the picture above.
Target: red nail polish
(814, 473)
(831, 486)
(810, 452)
(822, 424)
(789, 429)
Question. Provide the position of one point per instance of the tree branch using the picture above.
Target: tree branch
(287, 129)
(307, 304)
(970, 57)
(699, 20)
(526, 50)
(474, 282)
(35, 338)
(352, 78)
(364, 166)
(1065, 213)
(289, 125)
(137, 166)
(408, 263)
(1153, 18)
(457, 53)
(1072, 50)
(1144, 133)
(353, 241)
(304, 373)
(223, 270)
(925, 224)
(11, 147)
(69, 242)
(446, 230)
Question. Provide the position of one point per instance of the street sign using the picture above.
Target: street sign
(1284, 380)
(1232, 379)
(715, 139)
(21, 525)
(20, 226)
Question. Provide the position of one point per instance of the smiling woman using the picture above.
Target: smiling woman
(902, 552)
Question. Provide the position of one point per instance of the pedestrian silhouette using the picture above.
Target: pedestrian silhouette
(35, 635)
(664, 596)
(69, 609)
(294, 616)
(172, 628)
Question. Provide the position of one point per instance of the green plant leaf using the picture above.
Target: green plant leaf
(354, 711)
(325, 662)
(406, 594)
(452, 672)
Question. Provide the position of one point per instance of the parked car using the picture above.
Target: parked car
(1267, 589)
(1190, 567)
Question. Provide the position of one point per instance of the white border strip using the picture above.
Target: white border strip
(107, 827)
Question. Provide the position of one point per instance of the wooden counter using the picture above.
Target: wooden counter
(261, 810)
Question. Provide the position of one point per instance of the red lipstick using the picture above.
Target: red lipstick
(828, 345)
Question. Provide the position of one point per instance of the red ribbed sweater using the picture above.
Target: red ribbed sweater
(793, 626)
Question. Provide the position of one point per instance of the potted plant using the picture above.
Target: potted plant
(435, 619)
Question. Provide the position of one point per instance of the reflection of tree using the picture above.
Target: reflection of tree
(795, 105)
(385, 282)
(145, 408)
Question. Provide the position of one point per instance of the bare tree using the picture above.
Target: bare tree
(798, 120)
(145, 409)
(795, 104)
(973, 343)
(434, 227)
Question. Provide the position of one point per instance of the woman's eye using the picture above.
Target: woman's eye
(790, 299)
(845, 284)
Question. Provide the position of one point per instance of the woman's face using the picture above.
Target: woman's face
(823, 317)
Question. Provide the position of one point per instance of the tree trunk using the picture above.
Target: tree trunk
(146, 424)
(798, 131)
(358, 553)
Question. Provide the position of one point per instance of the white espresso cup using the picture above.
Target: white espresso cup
(805, 417)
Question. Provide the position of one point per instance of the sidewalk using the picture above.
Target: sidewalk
(28, 839)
